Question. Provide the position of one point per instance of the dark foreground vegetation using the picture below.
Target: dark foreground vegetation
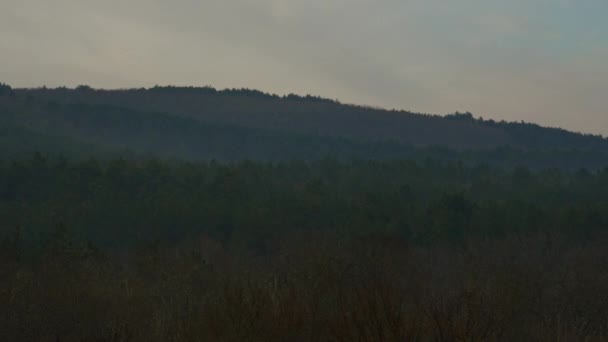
(302, 251)
(311, 287)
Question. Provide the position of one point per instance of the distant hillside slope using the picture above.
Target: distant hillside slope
(29, 125)
(317, 116)
(17, 142)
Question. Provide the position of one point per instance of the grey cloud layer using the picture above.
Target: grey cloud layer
(533, 60)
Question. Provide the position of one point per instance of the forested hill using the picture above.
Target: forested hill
(318, 116)
(232, 125)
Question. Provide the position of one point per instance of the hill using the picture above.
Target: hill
(314, 115)
(237, 124)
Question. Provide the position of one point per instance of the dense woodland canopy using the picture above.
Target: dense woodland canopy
(123, 250)
(123, 202)
(189, 214)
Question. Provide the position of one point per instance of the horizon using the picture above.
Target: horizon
(303, 95)
(535, 61)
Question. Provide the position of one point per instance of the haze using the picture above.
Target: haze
(542, 61)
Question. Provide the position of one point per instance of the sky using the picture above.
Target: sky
(543, 61)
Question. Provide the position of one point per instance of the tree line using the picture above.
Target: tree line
(125, 201)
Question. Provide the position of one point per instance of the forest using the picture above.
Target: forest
(154, 250)
(196, 214)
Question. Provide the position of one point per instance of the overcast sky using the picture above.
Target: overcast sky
(544, 61)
